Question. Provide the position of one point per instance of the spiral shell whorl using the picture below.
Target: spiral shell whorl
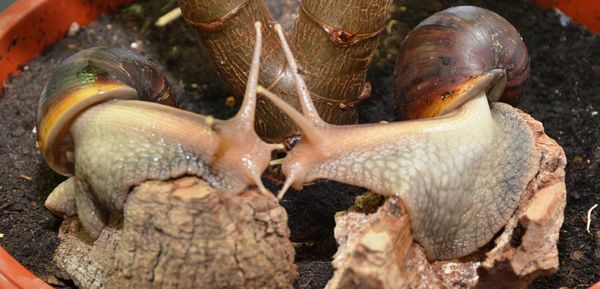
(84, 79)
(106, 65)
(450, 48)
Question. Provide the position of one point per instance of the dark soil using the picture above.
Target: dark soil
(564, 94)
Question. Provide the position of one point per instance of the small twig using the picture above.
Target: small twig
(589, 218)
(168, 18)
(25, 177)
(6, 205)
(276, 162)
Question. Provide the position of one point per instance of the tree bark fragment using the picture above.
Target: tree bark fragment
(184, 234)
(377, 250)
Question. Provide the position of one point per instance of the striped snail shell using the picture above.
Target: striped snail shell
(445, 52)
(89, 77)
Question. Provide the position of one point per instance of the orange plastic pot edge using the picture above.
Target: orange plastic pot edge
(14, 276)
(586, 12)
(29, 26)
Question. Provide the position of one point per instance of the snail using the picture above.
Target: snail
(460, 175)
(93, 126)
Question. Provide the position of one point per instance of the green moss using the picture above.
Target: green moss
(367, 203)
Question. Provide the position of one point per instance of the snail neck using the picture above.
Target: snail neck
(460, 176)
(120, 144)
(374, 155)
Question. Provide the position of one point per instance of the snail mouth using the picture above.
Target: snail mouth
(492, 83)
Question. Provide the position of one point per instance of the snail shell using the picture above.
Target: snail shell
(89, 77)
(441, 56)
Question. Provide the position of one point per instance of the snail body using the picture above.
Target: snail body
(450, 48)
(460, 175)
(117, 142)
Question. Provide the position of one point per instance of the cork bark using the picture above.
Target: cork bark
(377, 250)
(184, 234)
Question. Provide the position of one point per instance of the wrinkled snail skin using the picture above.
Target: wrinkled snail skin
(120, 143)
(448, 49)
(460, 175)
(455, 174)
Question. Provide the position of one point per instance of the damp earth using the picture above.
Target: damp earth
(563, 93)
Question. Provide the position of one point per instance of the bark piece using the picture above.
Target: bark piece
(377, 250)
(184, 234)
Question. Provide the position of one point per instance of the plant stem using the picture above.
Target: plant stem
(334, 62)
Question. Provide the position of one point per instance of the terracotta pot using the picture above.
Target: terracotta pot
(29, 26)
(15, 276)
(586, 12)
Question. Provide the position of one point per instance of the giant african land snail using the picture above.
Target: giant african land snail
(460, 175)
(93, 127)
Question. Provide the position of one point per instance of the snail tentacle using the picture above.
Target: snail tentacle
(238, 132)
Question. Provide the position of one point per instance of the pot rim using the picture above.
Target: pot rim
(14, 276)
(27, 27)
(584, 12)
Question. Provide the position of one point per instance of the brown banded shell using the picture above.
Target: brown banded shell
(446, 51)
(86, 78)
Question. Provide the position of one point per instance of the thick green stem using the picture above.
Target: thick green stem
(334, 62)
(333, 42)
